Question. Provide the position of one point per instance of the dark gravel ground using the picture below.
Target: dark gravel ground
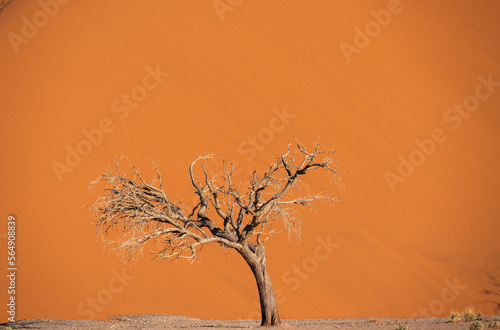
(155, 321)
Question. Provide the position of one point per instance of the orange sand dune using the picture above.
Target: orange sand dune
(407, 91)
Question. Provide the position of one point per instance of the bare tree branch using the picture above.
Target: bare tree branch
(134, 213)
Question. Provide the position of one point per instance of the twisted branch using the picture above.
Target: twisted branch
(133, 212)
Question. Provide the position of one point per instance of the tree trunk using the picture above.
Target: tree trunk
(268, 306)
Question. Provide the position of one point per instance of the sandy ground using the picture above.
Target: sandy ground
(152, 321)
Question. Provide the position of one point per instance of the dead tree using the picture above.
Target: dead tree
(133, 212)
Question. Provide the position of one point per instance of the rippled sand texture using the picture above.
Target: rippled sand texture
(407, 91)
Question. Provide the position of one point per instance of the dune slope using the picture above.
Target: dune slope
(407, 91)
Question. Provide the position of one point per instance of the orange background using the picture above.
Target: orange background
(225, 78)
